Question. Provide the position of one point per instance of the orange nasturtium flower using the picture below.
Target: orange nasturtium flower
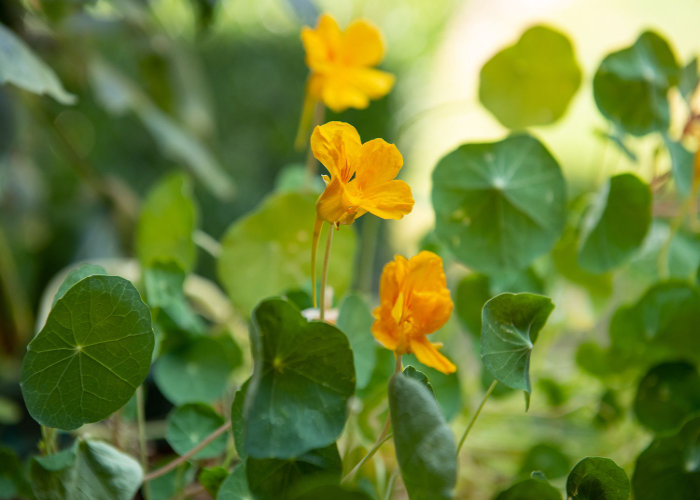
(362, 179)
(414, 302)
(341, 64)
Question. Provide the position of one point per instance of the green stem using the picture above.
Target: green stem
(476, 415)
(391, 483)
(48, 438)
(141, 422)
(324, 276)
(370, 236)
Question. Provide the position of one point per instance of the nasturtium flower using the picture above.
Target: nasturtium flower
(414, 302)
(341, 64)
(362, 179)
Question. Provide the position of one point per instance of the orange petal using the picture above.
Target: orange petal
(371, 82)
(322, 44)
(362, 44)
(337, 146)
(391, 281)
(384, 329)
(428, 354)
(391, 200)
(338, 94)
(379, 163)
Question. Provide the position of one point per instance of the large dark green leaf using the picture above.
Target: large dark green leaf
(597, 478)
(80, 272)
(269, 251)
(91, 355)
(546, 458)
(355, 320)
(167, 222)
(631, 85)
(189, 424)
(498, 206)
(616, 224)
(667, 395)
(425, 446)
(274, 479)
(530, 489)
(21, 67)
(87, 471)
(303, 377)
(235, 486)
(532, 82)
(510, 326)
(195, 372)
(669, 468)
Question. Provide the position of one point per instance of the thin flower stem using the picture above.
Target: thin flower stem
(324, 276)
(184, 458)
(384, 436)
(476, 415)
(48, 437)
(141, 422)
(391, 483)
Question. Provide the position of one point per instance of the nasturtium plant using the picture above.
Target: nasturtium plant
(547, 458)
(235, 486)
(13, 481)
(530, 489)
(595, 478)
(303, 377)
(91, 356)
(355, 320)
(631, 85)
(77, 274)
(682, 163)
(531, 82)
(616, 223)
(418, 375)
(189, 424)
(511, 324)
(499, 206)
(267, 252)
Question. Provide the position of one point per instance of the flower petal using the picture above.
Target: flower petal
(428, 354)
(391, 200)
(335, 204)
(385, 329)
(338, 94)
(362, 44)
(371, 82)
(322, 44)
(337, 146)
(379, 163)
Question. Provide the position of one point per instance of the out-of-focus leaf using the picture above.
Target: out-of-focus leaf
(530, 489)
(118, 95)
(295, 177)
(616, 224)
(532, 82)
(547, 458)
(425, 446)
(91, 355)
(669, 468)
(609, 409)
(355, 320)
(212, 478)
(167, 222)
(164, 291)
(80, 272)
(302, 379)
(90, 469)
(13, 483)
(682, 163)
(168, 486)
(21, 67)
(631, 85)
(473, 291)
(335, 492)
(235, 486)
(597, 478)
(189, 424)
(667, 395)
(498, 206)
(195, 372)
(618, 140)
(510, 326)
(274, 479)
(689, 79)
(269, 251)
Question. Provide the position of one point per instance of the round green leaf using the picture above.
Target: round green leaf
(80, 272)
(90, 469)
(510, 326)
(669, 468)
(631, 85)
(532, 82)
(355, 320)
(274, 479)
(196, 372)
(530, 489)
(235, 486)
(597, 478)
(269, 251)
(500, 205)
(91, 355)
(189, 424)
(425, 446)
(616, 224)
(167, 222)
(547, 458)
(666, 395)
(303, 377)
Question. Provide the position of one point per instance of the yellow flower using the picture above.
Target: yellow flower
(362, 179)
(341, 64)
(414, 302)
